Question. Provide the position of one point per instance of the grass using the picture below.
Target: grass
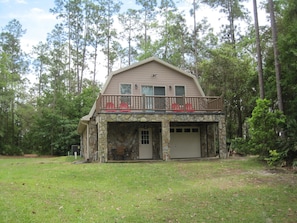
(233, 190)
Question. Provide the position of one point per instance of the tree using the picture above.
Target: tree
(195, 35)
(171, 45)
(233, 78)
(259, 54)
(265, 127)
(233, 67)
(234, 11)
(40, 64)
(287, 26)
(112, 7)
(96, 24)
(276, 56)
(130, 21)
(199, 47)
(147, 13)
(13, 65)
(5, 95)
(72, 13)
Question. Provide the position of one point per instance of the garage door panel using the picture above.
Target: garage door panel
(185, 143)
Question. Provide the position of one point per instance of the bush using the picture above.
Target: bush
(275, 158)
(288, 146)
(11, 151)
(266, 127)
(240, 146)
(273, 135)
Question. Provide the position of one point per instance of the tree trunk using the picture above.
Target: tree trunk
(276, 56)
(259, 54)
(231, 22)
(130, 51)
(69, 55)
(195, 39)
(95, 63)
(239, 117)
(83, 59)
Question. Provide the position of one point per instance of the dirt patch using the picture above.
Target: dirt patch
(281, 171)
(279, 176)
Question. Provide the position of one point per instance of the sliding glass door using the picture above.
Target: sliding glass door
(154, 97)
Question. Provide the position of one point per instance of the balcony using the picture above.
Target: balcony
(129, 103)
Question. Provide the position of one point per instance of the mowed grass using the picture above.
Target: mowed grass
(232, 190)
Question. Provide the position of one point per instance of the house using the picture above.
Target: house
(152, 110)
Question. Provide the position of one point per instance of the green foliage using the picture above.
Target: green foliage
(53, 129)
(288, 146)
(13, 63)
(265, 128)
(275, 158)
(11, 150)
(287, 42)
(240, 146)
(232, 76)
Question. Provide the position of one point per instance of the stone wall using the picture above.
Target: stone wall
(124, 126)
(93, 140)
(89, 139)
(123, 140)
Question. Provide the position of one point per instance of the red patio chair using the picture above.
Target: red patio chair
(110, 107)
(124, 107)
(189, 107)
(176, 107)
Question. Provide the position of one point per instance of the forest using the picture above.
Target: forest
(253, 67)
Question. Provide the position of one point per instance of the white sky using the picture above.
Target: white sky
(35, 17)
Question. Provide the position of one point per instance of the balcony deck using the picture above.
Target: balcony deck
(130, 103)
(144, 103)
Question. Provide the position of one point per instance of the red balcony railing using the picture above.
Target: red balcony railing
(129, 103)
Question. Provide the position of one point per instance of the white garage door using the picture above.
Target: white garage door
(185, 142)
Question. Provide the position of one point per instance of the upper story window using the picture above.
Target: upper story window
(180, 92)
(125, 90)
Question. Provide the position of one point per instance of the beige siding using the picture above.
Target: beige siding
(144, 75)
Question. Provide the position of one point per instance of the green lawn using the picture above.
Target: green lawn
(233, 190)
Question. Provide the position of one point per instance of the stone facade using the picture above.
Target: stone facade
(123, 145)
(89, 140)
(119, 132)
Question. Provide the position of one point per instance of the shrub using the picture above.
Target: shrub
(273, 136)
(11, 151)
(275, 158)
(288, 145)
(266, 127)
(240, 146)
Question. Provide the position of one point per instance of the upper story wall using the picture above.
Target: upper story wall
(153, 73)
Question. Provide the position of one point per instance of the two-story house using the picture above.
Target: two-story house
(152, 110)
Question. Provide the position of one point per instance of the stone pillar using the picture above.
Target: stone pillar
(102, 140)
(211, 150)
(203, 140)
(166, 139)
(222, 137)
(92, 143)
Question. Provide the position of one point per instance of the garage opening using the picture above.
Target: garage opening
(185, 142)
